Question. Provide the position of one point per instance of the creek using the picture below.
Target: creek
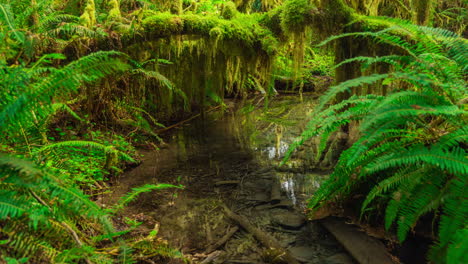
(231, 158)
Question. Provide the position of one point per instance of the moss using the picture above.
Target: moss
(244, 29)
(295, 15)
(216, 33)
(88, 18)
(272, 21)
(229, 10)
(114, 10)
(163, 24)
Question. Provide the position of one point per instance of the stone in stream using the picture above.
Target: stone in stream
(340, 258)
(260, 197)
(288, 220)
(302, 253)
(284, 204)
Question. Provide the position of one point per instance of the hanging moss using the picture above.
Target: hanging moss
(217, 56)
(202, 68)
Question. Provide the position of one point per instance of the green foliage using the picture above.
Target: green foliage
(86, 162)
(316, 63)
(411, 151)
(26, 107)
(129, 197)
(39, 210)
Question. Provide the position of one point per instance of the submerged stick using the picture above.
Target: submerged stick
(185, 121)
(222, 241)
(211, 257)
(261, 236)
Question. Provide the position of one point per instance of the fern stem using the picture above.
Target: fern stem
(62, 223)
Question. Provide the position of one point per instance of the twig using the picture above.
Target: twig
(185, 121)
(261, 236)
(211, 257)
(222, 241)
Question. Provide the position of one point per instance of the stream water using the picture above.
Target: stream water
(231, 158)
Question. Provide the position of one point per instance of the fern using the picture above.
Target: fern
(411, 152)
(86, 144)
(454, 162)
(35, 104)
(32, 226)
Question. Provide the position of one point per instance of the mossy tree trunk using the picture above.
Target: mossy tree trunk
(423, 11)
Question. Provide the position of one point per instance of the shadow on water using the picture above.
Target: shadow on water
(231, 158)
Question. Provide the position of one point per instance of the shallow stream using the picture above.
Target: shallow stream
(231, 158)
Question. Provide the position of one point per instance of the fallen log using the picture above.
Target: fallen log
(365, 249)
(261, 236)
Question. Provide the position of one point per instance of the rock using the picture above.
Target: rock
(275, 193)
(284, 204)
(260, 197)
(340, 258)
(287, 241)
(303, 253)
(288, 220)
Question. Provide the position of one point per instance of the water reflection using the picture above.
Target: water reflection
(275, 152)
(300, 186)
(264, 133)
(267, 133)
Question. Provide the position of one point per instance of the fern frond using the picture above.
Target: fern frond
(457, 251)
(139, 190)
(454, 138)
(347, 85)
(426, 197)
(7, 18)
(453, 161)
(54, 21)
(32, 104)
(395, 60)
(85, 144)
